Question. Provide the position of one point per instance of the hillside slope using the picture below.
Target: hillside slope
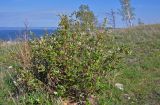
(139, 75)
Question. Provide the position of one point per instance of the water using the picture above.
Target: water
(10, 34)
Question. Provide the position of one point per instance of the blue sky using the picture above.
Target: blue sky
(43, 13)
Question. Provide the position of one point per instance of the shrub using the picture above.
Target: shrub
(70, 63)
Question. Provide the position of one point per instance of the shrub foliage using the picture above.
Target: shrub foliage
(71, 63)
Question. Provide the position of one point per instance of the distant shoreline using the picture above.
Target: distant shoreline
(23, 28)
(10, 34)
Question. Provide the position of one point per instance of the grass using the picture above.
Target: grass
(8, 93)
(140, 74)
(5, 83)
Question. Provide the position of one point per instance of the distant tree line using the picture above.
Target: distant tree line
(126, 11)
(88, 20)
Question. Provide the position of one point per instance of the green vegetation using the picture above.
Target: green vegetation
(83, 65)
(139, 73)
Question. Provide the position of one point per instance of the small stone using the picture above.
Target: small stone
(119, 86)
(110, 51)
(55, 93)
(10, 67)
(129, 98)
(14, 82)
